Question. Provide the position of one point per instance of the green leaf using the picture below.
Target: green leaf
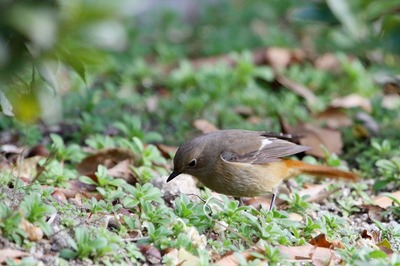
(87, 180)
(67, 253)
(5, 104)
(347, 17)
(378, 254)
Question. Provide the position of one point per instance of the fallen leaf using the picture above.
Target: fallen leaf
(33, 232)
(123, 170)
(308, 252)
(167, 151)
(278, 58)
(334, 118)
(391, 101)
(59, 196)
(327, 62)
(106, 157)
(368, 122)
(321, 241)
(375, 236)
(187, 259)
(204, 126)
(384, 201)
(385, 246)
(295, 217)
(39, 150)
(281, 58)
(231, 258)
(315, 137)
(151, 253)
(297, 88)
(9, 253)
(352, 101)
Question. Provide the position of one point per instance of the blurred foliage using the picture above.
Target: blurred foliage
(38, 39)
(80, 61)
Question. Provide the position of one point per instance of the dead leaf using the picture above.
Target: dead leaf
(321, 241)
(278, 58)
(297, 88)
(368, 122)
(384, 201)
(9, 253)
(204, 126)
(39, 150)
(167, 151)
(151, 253)
(59, 196)
(391, 101)
(315, 137)
(295, 217)
(107, 157)
(243, 111)
(281, 58)
(231, 258)
(352, 101)
(187, 259)
(308, 252)
(27, 168)
(33, 232)
(123, 170)
(334, 118)
(385, 246)
(327, 62)
(374, 236)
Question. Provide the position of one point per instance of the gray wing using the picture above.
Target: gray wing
(269, 150)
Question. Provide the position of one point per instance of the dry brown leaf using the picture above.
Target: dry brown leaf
(278, 57)
(107, 157)
(321, 241)
(33, 232)
(334, 118)
(204, 126)
(391, 101)
(9, 253)
(297, 88)
(167, 151)
(311, 253)
(151, 253)
(315, 137)
(295, 217)
(27, 168)
(384, 201)
(375, 236)
(123, 170)
(39, 150)
(327, 62)
(59, 196)
(231, 259)
(385, 246)
(352, 101)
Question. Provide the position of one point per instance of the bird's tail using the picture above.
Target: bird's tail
(300, 167)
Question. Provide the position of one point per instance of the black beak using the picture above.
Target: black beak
(172, 176)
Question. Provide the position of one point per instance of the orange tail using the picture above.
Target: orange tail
(318, 170)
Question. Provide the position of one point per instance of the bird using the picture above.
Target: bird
(245, 163)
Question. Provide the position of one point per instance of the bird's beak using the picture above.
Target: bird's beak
(172, 176)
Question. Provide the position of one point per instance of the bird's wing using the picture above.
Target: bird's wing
(261, 149)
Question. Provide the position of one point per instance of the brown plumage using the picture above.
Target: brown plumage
(244, 163)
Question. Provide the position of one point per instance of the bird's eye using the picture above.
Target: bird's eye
(192, 163)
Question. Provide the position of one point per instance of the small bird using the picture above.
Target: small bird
(243, 163)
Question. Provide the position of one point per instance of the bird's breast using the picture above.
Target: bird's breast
(244, 179)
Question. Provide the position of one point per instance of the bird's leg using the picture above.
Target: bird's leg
(274, 193)
(240, 200)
